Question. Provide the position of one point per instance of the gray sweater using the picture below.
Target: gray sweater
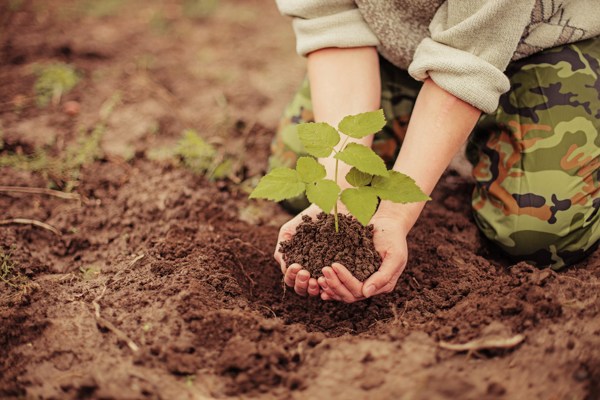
(463, 45)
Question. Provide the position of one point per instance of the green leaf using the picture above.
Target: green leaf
(357, 178)
(398, 188)
(279, 184)
(363, 158)
(318, 139)
(361, 202)
(289, 137)
(310, 170)
(361, 125)
(323, 193)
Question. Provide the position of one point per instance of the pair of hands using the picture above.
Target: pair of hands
(337, 283)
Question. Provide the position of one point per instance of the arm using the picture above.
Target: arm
(439, 124)
(343, 81)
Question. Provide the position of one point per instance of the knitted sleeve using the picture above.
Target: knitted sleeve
(471, 44)
(327, 23)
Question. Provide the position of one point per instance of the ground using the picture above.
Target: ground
(153, 280)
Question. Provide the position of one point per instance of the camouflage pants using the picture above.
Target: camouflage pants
(536, 159)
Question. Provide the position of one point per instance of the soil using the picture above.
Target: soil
(316, 245)
(162, 284)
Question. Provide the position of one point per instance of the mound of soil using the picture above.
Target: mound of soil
(206, 310)
(316, 245)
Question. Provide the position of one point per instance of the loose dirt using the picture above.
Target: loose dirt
(162, 284)
(316, 245)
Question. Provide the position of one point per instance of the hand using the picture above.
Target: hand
(294, 275)
(390, 241)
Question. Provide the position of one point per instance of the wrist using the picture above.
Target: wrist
(405, 215)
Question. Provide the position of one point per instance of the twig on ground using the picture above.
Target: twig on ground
(26, 221)
(33, 190)
(284, 288)
(131, 265)
(103, 322)
(484, 343)
(269, 309)
(111, 327)
(241, 266)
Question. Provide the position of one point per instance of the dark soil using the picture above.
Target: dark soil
(316, 245)
(162, 285)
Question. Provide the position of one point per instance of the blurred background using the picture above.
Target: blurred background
(88, 79)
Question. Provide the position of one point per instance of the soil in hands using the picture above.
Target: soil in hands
(316, 245)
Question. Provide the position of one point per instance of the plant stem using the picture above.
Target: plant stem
(335, 206)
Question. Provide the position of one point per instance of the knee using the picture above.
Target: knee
(556, 244)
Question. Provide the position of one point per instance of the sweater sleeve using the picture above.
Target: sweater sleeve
(327, 23)
(471, 44)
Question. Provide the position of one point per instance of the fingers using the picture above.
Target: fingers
(313, 287)
(326, 297)
(337, 288)
(327, 293)
(291, 273)
(279, 258)
(301, 281)
(384, 280)
(348, 280)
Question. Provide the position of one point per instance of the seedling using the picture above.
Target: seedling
(10, 274)
(53, 82)
(197, 155)
(90, 273)
(370, 179)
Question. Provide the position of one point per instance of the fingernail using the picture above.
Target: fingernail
(302, 278)
(369, 290)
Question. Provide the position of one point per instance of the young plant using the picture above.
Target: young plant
(53, 82)
(370, 178)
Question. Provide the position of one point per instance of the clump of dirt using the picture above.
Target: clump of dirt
(316, 245)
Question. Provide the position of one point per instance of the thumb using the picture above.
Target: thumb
(385, 278)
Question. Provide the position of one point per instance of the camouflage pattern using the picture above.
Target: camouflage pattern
(536, 159)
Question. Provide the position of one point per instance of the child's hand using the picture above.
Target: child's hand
(390, 241)
(294, 275)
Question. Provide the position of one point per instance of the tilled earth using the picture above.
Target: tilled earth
(198, 306)
(161, 284)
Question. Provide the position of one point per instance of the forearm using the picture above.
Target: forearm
(439, 125)
(343, 82)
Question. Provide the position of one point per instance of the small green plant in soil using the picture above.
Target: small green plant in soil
(9, 273)
(197, 9)
(338, 238)
(63, 170)
(197, 155)
(370, 179)
(90, 273)
(53, 81)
